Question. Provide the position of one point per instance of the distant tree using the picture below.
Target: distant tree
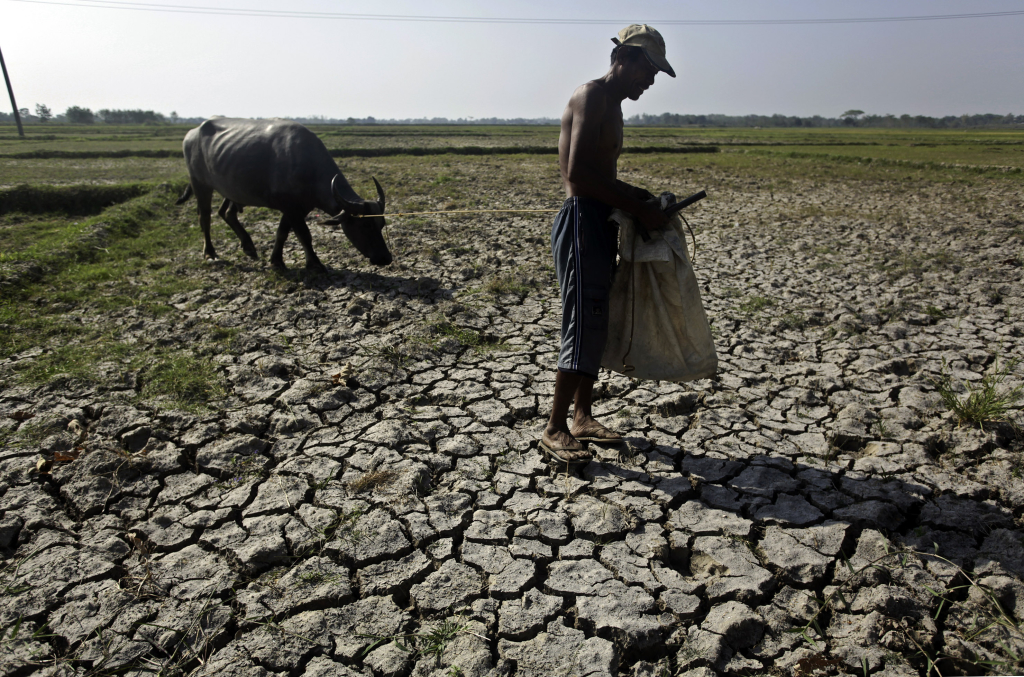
(129, 117)
(23, 112)
(79, 115)
(43, 112)
(174, 116)
(850, 116)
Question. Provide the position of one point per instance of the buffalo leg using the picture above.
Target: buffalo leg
(204, 204)
(229, 212)
(306, 240)
(295, 222)
(277, 256)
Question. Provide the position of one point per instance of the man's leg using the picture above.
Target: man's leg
(584, 425)
(581, 408)
(556, 434)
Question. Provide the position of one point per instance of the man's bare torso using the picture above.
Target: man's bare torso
(594, 119)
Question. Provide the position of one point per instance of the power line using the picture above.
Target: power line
(290, 14)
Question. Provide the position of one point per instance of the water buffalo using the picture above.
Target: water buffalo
(281, 165)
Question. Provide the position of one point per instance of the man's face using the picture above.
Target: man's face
(640, 75)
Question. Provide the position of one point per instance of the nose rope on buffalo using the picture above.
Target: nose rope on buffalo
(693, 256)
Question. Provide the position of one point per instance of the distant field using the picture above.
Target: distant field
(153, 153)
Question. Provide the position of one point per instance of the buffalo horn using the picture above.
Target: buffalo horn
(346, 205)
(380, 194)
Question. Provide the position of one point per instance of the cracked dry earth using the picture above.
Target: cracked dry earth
(321, 510)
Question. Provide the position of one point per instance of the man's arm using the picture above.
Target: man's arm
(635, 191)
(584, 162)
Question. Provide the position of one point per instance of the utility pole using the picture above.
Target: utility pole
(10, 90)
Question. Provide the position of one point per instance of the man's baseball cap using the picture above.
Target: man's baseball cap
(650, 41)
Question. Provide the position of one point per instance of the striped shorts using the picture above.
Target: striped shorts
(584, 245)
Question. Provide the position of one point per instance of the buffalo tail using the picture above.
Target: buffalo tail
(185, 196)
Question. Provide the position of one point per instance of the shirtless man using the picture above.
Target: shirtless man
(583, 243)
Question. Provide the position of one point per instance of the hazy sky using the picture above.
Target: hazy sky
(201, 65)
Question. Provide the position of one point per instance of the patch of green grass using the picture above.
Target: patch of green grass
(319, 577)
(219, 334)
(343, 527)
(392, 354)
(76, 361)
(794, 320)
(987, 401)
(467, 338)
(188, 382)
(126, 261)
(243, 469)
(510, 283)
(431, 643)
(755, 304)
(915, 263)
(76, 200)
(34, 431)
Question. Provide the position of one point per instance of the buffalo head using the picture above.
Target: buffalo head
(365, 233)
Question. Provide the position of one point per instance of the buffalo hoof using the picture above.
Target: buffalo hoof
(251, 253)
(317, 268)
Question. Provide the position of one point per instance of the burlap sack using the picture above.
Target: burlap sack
(657, 328)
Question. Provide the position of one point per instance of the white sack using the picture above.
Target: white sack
(655, 291)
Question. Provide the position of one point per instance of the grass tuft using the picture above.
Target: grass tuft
(988, 401)
(510, 283)
(467, 338)
(388, 353)
(374, 479)
(432, 643)
(755, 304)
(794, 320)
(189, 381)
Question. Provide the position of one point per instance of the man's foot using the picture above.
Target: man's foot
(592, 431)
(564, 448)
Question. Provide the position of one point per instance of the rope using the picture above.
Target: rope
(626, 368)
(693, 256)
(457, 211)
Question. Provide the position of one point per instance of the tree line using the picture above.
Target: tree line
(84, 116)
(851, 118)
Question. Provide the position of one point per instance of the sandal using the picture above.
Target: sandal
(587, 434)
(557, 454)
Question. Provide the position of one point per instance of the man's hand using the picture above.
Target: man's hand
(651, 217)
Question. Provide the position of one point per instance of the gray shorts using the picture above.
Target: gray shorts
(584, 245)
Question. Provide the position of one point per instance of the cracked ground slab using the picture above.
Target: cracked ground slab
(371, 480)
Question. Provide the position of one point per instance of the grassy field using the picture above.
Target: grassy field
(976, 147)
(82, 236)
